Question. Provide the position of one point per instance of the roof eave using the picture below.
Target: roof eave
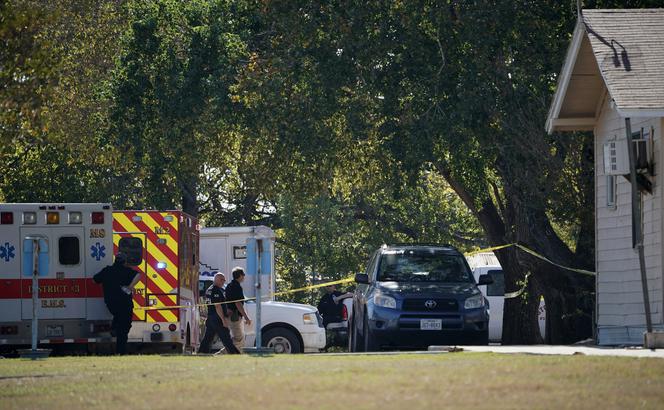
(565, 76)
(640, 112)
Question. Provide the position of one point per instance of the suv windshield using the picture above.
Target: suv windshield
(425, 265)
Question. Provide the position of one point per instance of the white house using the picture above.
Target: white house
(614, 70)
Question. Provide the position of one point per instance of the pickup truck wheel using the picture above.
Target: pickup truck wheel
(370, 344)
(351, 335)
(355, 342)
(282, 340)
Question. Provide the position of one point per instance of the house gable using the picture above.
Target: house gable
(627, 47)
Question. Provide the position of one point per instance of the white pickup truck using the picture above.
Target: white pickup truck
(286, 327)
(487, 264)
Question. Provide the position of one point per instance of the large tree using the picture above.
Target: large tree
(457, 89)
(342, 124)
(171, 95)
(56, 58)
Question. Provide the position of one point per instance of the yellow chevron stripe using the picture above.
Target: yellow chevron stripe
(152, 274)
(159, 304)
(153, 250)
(167, 314)
(174, 222)
(156, 278)
(170, 242)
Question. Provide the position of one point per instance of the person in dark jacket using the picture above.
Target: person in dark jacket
(235, 294)
(217, 322)
(118, 281)
(330, 307)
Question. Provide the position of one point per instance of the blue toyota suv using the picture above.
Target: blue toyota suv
(414, 296)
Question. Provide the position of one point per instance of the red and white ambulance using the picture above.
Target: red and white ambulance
(71, 307)
(81, 240)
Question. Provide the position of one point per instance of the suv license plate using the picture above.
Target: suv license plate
(431, 324)
(54, 331)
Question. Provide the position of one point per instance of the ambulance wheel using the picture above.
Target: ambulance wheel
(282, 341)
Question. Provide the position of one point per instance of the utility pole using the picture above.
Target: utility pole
(35, 249)
(259, 336)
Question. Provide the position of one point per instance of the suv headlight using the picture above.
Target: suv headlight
(474, 302)
(384, 301)
(310, 319)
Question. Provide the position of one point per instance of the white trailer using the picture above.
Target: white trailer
(286, 327)
(71, 307)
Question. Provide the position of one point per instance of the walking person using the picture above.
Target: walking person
(235, 293)
(217, 322)
(118, 281)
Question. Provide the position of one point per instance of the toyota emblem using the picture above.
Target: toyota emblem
(430, 304)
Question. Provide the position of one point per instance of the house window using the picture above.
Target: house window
(611, 188)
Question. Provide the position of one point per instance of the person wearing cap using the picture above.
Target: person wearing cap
(217, 322)
(118, 281)
(235, 295)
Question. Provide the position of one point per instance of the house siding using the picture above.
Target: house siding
(620, 313)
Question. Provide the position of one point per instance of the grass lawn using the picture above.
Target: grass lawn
(409, 382)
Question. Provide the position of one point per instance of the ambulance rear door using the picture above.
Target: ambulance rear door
(10, 267)
(62, 290)
(134, 245)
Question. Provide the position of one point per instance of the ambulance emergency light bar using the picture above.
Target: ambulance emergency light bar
(52, 218)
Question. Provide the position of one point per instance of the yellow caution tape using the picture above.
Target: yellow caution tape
(531, 252)
(537, 255)
(495, 248)
(320, 285)
(348, 280)
(285, 292)
(519, 292)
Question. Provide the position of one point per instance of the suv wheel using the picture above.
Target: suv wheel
(483, 340)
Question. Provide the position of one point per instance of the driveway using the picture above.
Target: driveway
(562, 350)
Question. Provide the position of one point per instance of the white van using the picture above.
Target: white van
(286, 327)
(487, 264)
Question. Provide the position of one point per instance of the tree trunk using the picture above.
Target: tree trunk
(189, 204)
(530, 227)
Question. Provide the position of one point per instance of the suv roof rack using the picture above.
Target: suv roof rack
(437, 245)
